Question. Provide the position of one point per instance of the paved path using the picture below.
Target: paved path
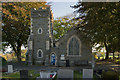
(98, 66)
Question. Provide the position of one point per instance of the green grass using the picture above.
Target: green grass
(11, 75)
(17, 74)
(33, 74)
(110, 75)
(77, 75)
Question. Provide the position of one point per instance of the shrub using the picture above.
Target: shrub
(110, 75)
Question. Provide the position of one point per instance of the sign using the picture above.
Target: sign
(62, 57)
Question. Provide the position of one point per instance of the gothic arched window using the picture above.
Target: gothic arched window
(73, 46)
(39, 53)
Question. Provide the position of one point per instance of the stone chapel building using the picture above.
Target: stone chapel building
(70, 50)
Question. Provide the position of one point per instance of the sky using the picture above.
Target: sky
(61, 9)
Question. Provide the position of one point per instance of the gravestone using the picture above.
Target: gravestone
(10, 68)
(67, 63)
(44, 74)
(23, 74)
(88, 73)
(64, 74)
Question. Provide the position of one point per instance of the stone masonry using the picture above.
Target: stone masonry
(44, 50)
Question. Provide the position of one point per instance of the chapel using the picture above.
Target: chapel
(72, 49)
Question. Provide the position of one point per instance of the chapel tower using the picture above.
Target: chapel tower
(42, 34)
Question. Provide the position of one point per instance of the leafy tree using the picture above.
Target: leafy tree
(16, 23)
(62, 25)
(101, 23)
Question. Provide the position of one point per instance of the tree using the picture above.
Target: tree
(101, 23)
(16, 23)
(62, 25)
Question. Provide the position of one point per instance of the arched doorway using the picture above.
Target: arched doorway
(53, 59)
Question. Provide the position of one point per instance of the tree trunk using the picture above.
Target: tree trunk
(19, 53)
(18, 56)
(107, 55)
(113, 55)
(118, 56)
(107, 51)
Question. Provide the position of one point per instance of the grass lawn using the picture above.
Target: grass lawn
(11, 75)
(77, 75)
(17, 74)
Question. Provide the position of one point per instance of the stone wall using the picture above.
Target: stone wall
(86, 50)
(40, 19)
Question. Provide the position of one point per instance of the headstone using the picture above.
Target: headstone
(23, 74)
(44, 74)
(88, 73)
(67, 63)
(64, 74)
(10, 68)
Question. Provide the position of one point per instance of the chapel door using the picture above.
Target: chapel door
(53, 60)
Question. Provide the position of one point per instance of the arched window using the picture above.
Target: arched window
(73, 46)
(40, 31)
(39, 53)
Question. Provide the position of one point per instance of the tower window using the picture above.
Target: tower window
(40, 31)
(39, 53)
